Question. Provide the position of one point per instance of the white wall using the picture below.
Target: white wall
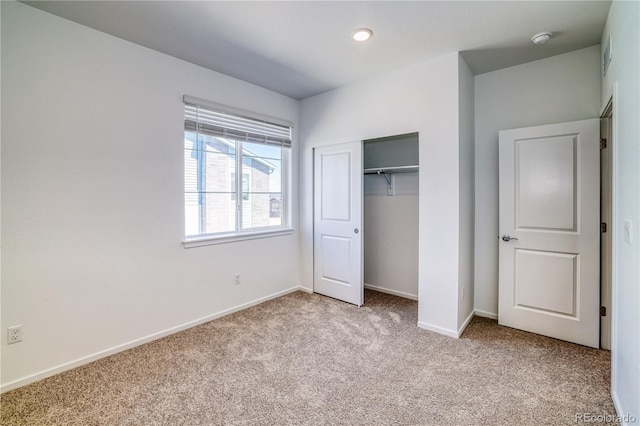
(623, 74)
(391, 234)
(422, 98)
(92, 191)
(557, 89)
(467, 194)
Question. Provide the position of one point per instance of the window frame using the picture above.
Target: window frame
(240, 234)
(233, 179)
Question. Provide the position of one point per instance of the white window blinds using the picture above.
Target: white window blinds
(217, 120)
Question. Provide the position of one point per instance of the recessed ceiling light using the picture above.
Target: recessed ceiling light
(541, 38)
(362, 34)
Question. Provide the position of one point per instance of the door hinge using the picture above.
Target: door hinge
(603, 311)
(603, 143)
(603, 227)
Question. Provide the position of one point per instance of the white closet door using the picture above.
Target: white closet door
(549, 281)
(338, 264)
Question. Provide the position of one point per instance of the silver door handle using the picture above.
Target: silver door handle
(507, 238)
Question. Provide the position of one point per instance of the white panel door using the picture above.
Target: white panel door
(549, 280)
(337, 239)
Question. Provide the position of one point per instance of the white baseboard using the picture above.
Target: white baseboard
(437, 329)
(392, 292)
(306, 289)
(446, 331)
(625, 419)
(465, 324)
(137, 342)
(486, 314)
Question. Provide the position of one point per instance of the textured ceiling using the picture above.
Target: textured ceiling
(304, 48)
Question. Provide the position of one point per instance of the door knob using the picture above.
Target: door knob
(356, 230)
(508, 238)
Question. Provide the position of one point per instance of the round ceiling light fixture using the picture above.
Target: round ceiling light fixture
(541, 38)
(362, 34)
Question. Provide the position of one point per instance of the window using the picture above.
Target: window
(219, 146)
(245, 185)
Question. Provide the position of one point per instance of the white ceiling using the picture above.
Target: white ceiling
(302, 48)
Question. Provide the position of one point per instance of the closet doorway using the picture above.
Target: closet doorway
(391, 215)
(366, 218)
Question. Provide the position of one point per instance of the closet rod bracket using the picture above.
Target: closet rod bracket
(389, 177)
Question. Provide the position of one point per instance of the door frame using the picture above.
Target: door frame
(606, 212)
(612, 105)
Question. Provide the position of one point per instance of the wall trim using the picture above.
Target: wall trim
(625, 419)
(437, 329)
(445, 331)
(614, 244)
(486, 314)
(137, 342)
(392, 292)
(465, 324)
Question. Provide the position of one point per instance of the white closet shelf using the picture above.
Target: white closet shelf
(394, 169)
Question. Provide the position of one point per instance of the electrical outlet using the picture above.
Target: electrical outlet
(14, 334)
(236, 279)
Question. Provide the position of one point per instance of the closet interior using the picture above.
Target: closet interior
(391, 170)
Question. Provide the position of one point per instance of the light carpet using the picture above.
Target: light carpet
(305, 359)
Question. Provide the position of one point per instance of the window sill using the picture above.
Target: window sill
(224, 239)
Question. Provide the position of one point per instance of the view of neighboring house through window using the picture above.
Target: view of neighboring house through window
(219, 147)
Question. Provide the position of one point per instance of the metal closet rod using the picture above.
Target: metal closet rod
(392, 169)
(388, 172)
